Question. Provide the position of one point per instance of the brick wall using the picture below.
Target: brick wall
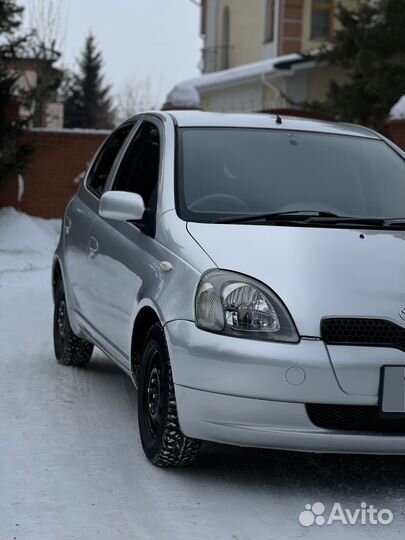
(49, 180)
(395, 130)
(291, 15)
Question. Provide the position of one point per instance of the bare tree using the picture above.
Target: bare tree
(136, 96)
(46, 21)
(46, 18)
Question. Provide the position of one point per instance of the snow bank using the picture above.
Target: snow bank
(398, 110)
(26, 242)
(183, 96)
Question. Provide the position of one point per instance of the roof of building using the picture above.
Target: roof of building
(250, 72)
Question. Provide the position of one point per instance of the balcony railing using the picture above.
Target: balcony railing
(216, 58)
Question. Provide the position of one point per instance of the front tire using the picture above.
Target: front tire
(162, 440)
(70, 350)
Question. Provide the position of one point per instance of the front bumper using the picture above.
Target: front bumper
(270, 424)
(253, 393)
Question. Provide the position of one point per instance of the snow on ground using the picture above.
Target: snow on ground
(71, 463)
(26, 243)
(398, 110)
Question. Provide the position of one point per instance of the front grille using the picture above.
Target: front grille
(371, 332)
(352, 418)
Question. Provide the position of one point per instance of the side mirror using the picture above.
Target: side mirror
(121, 206)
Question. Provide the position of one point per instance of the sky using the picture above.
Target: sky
(153, 42)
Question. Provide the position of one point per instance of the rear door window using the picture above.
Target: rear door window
(101, 168)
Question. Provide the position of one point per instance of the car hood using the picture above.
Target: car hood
(317, 272)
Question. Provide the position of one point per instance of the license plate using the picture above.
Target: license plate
(392, 392)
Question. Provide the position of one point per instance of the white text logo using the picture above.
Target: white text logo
(314, 514)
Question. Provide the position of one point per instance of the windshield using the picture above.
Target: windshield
(226, 172)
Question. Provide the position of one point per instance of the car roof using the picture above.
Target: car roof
(266, 121)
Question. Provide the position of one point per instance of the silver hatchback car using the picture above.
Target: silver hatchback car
(248, 273)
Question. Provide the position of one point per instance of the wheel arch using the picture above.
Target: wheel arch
(57, 274)
(144, 320)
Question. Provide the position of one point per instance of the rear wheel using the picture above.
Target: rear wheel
(70, 350)
(163, 442)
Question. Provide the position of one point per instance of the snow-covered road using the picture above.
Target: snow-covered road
(71, 463)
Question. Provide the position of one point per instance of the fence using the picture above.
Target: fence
(50, 179)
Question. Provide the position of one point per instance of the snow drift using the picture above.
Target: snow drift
(26, 242)
(398, 110)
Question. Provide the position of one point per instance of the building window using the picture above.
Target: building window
(203, 26)
(322, 19)
(269, 21)
(226, 30)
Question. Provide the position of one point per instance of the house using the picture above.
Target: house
(60, 156)
(38, 78)
(252, 55)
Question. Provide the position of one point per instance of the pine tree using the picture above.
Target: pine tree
(13, 154)
(370, 47)
(88, 103)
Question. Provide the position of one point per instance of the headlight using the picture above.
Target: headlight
(236, 305)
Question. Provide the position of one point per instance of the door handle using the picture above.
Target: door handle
(93, 247)
(68, 224)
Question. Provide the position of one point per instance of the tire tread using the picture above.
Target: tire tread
(176, 449)
(77, 351)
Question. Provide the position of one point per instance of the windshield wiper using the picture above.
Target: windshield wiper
(296, 215)
(360, 221)
(315, 216)
(394, 222)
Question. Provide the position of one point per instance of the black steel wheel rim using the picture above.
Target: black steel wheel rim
(61, 319)
(153, 395)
